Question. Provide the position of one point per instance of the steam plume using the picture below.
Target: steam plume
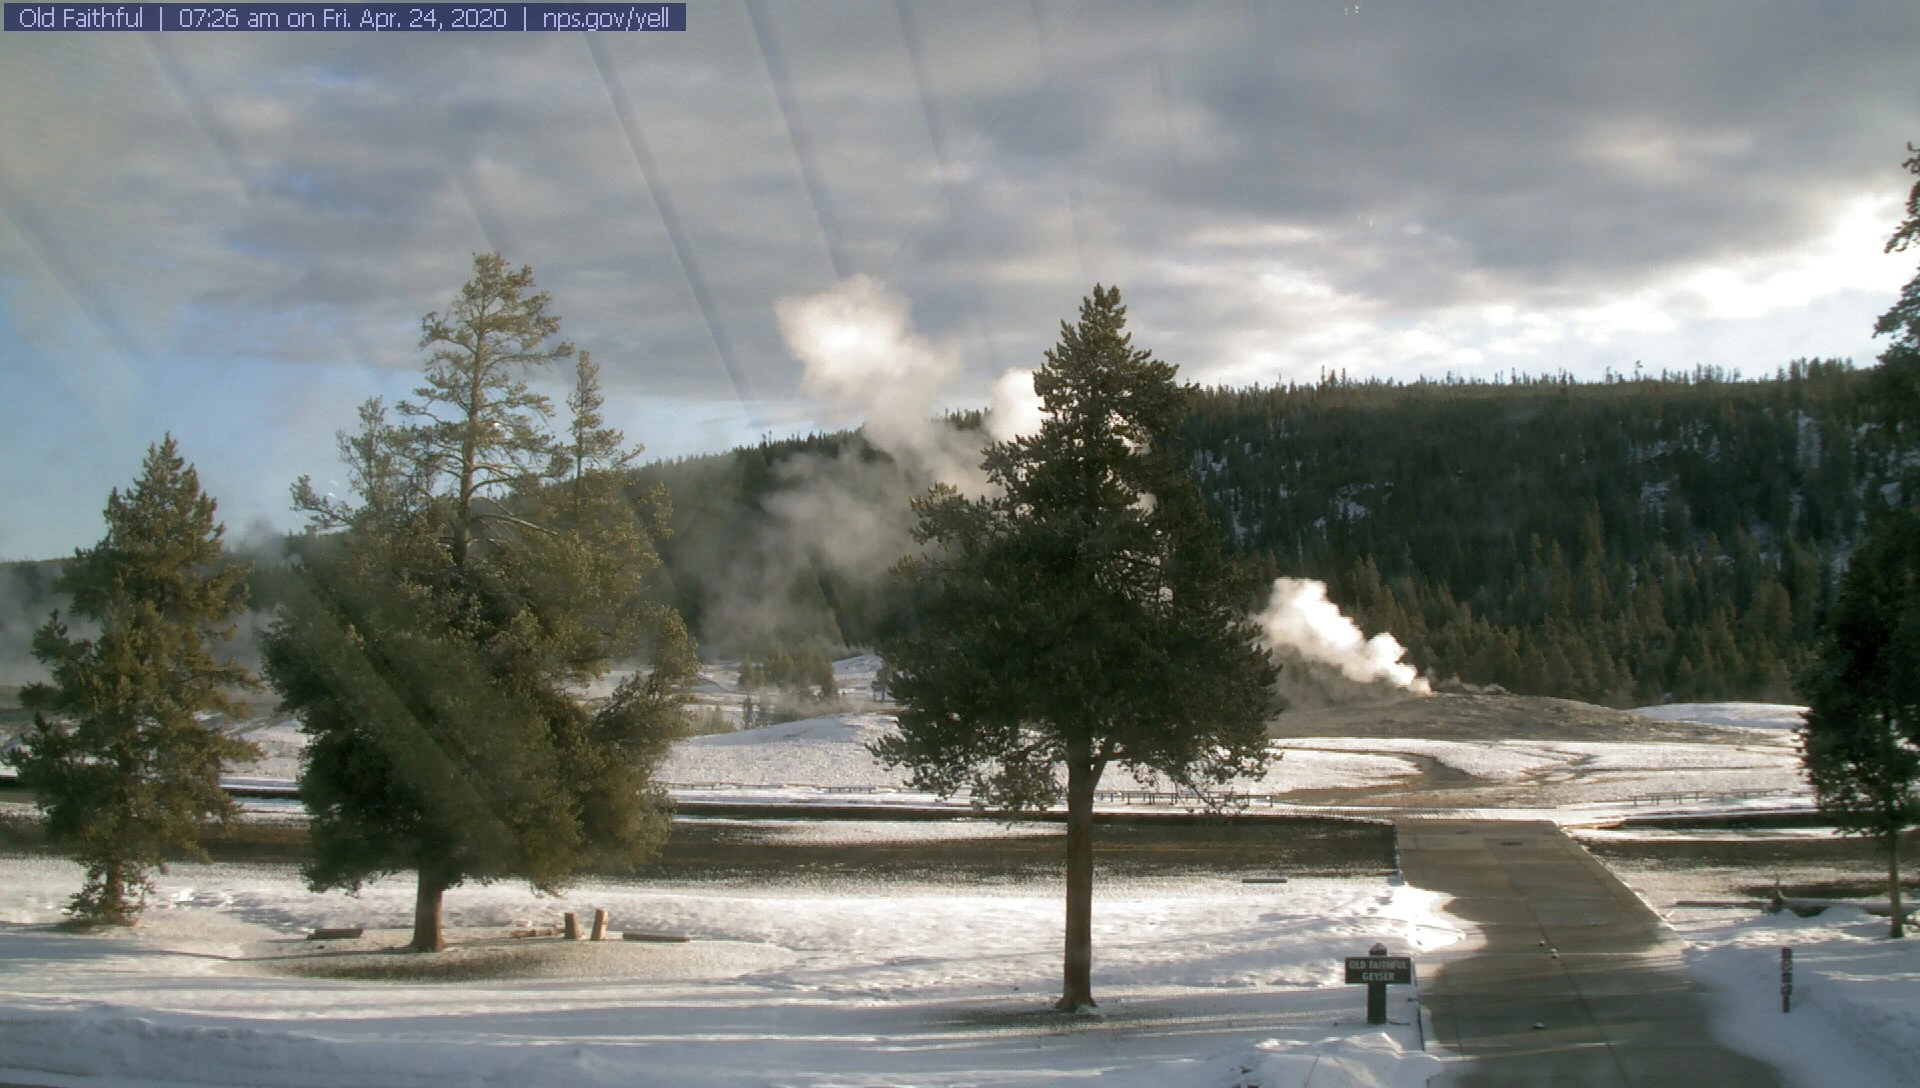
(1015, 410)
(860, 353)
(1325, 659)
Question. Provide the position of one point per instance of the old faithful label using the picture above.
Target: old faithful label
(1397, 970)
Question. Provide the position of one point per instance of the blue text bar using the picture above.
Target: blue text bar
(345, 18)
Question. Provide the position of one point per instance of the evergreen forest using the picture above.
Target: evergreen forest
(1626, 542)
(1630, 541)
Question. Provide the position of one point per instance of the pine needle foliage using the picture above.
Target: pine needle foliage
(126, 750)
(444, 621)
(1861, 743)
(1081, 617)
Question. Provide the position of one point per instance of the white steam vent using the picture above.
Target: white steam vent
(1324, 657)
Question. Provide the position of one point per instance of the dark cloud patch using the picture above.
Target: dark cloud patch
(1274, 186)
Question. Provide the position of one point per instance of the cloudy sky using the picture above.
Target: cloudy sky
(234, 238)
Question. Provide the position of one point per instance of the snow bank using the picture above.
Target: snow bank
(1749, 715)
(1202, 981)
(1368, 1060)
(1856, 995)
(829, 751)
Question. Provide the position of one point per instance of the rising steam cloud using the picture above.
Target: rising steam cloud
(1324, 657)
(848, 514)
(1015, 410)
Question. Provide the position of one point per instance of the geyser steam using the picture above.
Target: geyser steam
(849, 514)
(1015, 410)
(1324, 657)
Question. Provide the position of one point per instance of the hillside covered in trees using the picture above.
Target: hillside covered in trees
(1624, 542)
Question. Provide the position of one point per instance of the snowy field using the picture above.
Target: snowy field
(1738, 755)
(1855, 1019)
(1747, 715)
(1748, 748)
(1746, 756)
(1202, 982)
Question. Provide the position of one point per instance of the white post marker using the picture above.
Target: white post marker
(1378, 970)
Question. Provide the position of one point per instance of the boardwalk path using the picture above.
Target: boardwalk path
(1615, 1006)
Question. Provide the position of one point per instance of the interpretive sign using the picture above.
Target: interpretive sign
(1392, 970)
(1378, 971)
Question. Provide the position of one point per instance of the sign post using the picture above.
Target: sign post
(1786, 980)
(1378, 971)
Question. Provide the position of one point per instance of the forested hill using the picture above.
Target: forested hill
(1622, 542)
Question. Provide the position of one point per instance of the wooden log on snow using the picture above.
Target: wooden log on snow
(537, 931)
(656, 938)
(346, 933)
(599, 924)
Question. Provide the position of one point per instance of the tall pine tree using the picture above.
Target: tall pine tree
(124, 757)
(1861, 745)
(442, 625)
(1083, 617)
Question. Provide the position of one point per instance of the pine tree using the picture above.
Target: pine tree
(1082, 618)
(443, 623)
(123, 756)
(1861, 743)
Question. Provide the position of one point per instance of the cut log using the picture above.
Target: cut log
(657, 938)
(342, 934)
(571, 923)
(538, 931)
(1263, 880)
(599, 924)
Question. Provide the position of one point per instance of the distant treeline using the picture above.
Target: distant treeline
(1625, 542)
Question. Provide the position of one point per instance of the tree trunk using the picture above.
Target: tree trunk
(1893, 886)
(1077, 989)
(114, 906)
(427, 936)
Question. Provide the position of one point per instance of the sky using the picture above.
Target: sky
(234, 238)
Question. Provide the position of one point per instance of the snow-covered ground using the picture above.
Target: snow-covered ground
(1750, 759)
(1749, 715)
(1756, 756)
(1205, 982)
(1855, 1018)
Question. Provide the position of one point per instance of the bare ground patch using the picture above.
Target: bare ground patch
(490, 955)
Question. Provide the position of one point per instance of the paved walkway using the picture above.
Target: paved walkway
(1613, 1007)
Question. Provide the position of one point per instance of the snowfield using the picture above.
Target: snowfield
(1202, 982)
(1745, 755)
(1856, 995)
(830, 753)
(1749, 715)
(841, 981)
